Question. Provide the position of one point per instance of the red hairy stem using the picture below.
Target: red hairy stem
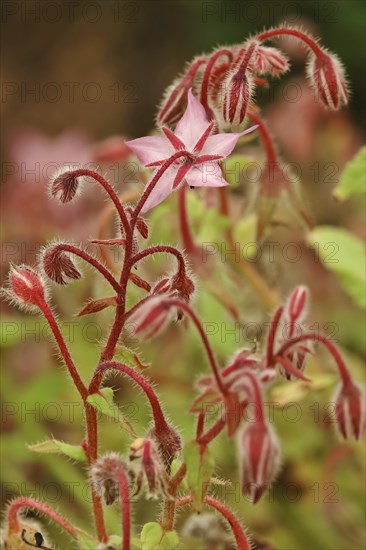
(343, 371)
(160, 249)
(212, 432)
(187, 238)
(158, 415)
(154, 181)
(168, 514)
(290, 32)
(126, 515)
(200, 425)
(242, 542)
(207, 74)
(47, 312)
(92, 453)
(185, 307)
(265, 137)
(90, 260)
(272, 334)
(111, 192)
(25, 502)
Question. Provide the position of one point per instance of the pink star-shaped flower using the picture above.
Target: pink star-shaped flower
(192, 134)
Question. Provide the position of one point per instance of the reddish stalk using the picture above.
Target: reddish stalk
(242, 542)
(265, 137)
(47, 312)
(343, 371)
(212, 432)
(185, 307)
(111, 192)
(126, 516)
(185, 231)
(207, 75)
(24, 502)
(160, 249)
(90, 260)
(291, 32)
(158, 415)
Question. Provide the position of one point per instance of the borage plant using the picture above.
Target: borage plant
(208, 107)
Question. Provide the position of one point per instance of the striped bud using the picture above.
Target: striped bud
(105, 473)
(64, 186)
(326, 74)
(26, 287)
(270, 61)
(259, 452)
(238, 89)
(350, 410)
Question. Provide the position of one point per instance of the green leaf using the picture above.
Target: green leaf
(104, 404)
(85, 542)
(234, 168)
(153, 537)
(59, 447)
(352, 180)
(200, 467)
(344, 254)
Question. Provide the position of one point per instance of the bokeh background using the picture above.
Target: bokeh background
(77, 73)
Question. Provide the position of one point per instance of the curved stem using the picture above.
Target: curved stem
(24, 502)
(47, 312)
(265, 136)
(111, 192)
(185, 307)
(167, 518)
(154, 181)
(160, 249)
(207, 74)
(343, 371)
(242, 542)
(291, 32)
(90, 260)
(158, 415)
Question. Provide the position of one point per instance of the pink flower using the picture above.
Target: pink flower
(192, 134)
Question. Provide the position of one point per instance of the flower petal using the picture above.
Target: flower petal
(207, 174)
(161, 190)
(193, 123)
(151, 148)
(223, 144)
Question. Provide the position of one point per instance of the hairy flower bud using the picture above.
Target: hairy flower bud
(105, 473)
(150, 468)
(168, 442)
(267, 60)
(259, 452)
(326, 74)
(238, 89)
(58, 266)
(151, 317)
(26, 287)
(64, 185)
(350, 410)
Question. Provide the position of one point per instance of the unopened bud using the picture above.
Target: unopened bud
(326, 74)
(64, 185)
(26, 287)
(58, 266)
(105, 474)
(350, 410)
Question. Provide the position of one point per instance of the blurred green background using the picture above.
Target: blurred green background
(76, 73)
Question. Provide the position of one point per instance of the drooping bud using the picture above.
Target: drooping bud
(105, 473)
(58, 265)
(350, 410)
(150, 469)
(175, 97)
(26, 287)
(64, 185)
(259, 452)
(238, 89)
(267, 60)
(168, 443)
(183, 285)
(327, 77)
(151, 318)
